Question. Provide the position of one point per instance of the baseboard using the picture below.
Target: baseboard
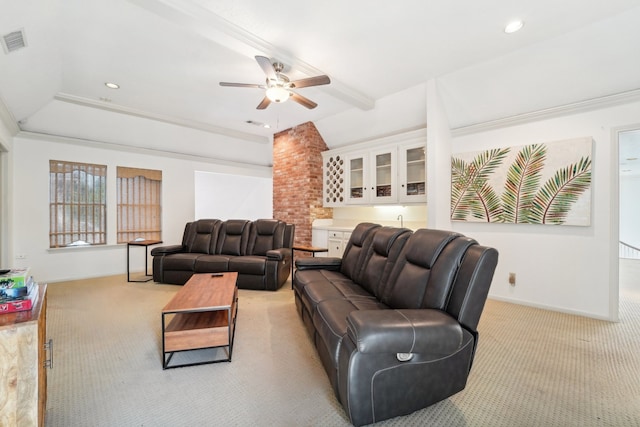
(550, 308)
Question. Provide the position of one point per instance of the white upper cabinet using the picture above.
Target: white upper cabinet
(386, 171)
(384, 177)
(412, 173)
(358, 187)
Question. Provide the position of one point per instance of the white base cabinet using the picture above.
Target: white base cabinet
(334, 240)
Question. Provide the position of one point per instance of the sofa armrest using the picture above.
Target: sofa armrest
(279, 254)
(319, 263)
(404, 331)
(166, 250)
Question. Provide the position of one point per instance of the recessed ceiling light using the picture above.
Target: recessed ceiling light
(112, 85)
(513, 26)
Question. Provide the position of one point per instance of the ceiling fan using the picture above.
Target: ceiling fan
(278, 87)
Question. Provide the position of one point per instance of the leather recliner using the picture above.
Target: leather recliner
(260, 251)
(394, 321)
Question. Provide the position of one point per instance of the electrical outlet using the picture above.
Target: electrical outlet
(512, 279)
(21, 256)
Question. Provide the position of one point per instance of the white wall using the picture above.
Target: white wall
(30, 209)
(6, 144)
(566, 268)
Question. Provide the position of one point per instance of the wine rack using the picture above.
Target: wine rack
(334, 181)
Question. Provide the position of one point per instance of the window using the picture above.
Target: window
(139, 204)
(77, 204)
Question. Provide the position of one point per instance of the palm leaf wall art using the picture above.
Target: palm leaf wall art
(467, 181)
(523, 179)
(503, 185)
(555, 199)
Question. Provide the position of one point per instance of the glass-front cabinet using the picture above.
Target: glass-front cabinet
(390, 170)
(413, 173)
(383, 182)
(357, 175)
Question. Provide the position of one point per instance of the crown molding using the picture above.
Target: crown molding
(161, 118)
(400, 136)
(550, 113)
(139, 150)
(208, 24)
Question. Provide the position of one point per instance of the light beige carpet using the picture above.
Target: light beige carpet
(533, 367)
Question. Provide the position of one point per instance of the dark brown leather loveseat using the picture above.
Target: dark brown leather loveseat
(260, 251)
(394, 320)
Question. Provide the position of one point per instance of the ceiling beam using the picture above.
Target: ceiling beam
(213, 27)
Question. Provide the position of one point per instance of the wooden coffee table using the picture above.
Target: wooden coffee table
(201, 315)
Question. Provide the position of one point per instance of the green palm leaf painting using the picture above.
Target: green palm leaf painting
(468, 179)
(523, 179)
(554, 200)
(485, 189)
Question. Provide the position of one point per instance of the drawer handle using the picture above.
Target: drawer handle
(48, 363)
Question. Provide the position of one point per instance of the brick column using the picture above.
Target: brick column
(297, 179)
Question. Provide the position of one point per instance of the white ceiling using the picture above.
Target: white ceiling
(169, 56)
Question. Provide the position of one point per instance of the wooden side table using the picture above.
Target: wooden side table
(24, 362)
(146, 243)
(303, 248)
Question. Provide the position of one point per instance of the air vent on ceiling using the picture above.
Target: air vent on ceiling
(13, 41)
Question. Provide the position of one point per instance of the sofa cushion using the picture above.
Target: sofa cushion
(444, 272)
(205, 232)
(353, 252)
(380, 257)
(180, 261)
(265, 235)
(408, 280)
(319, 291)
(248, 264)
(232, 238)
(212, 263)
(304, 277)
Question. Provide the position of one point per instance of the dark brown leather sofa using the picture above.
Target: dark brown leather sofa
(260, 251)
(394, 320)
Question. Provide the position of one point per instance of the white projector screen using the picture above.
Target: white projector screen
(224, 196)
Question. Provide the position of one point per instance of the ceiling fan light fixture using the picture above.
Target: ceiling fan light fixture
(513, 26)
(278, 94)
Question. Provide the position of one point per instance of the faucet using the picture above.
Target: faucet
(401, 220)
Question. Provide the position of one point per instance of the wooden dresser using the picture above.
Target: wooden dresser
(23, 375)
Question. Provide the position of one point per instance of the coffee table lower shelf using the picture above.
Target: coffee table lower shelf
(197, 330)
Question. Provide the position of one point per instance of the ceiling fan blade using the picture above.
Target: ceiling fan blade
(311, 81)
(242, 85)
(306, 102)
(267, 67)
(263, 104)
